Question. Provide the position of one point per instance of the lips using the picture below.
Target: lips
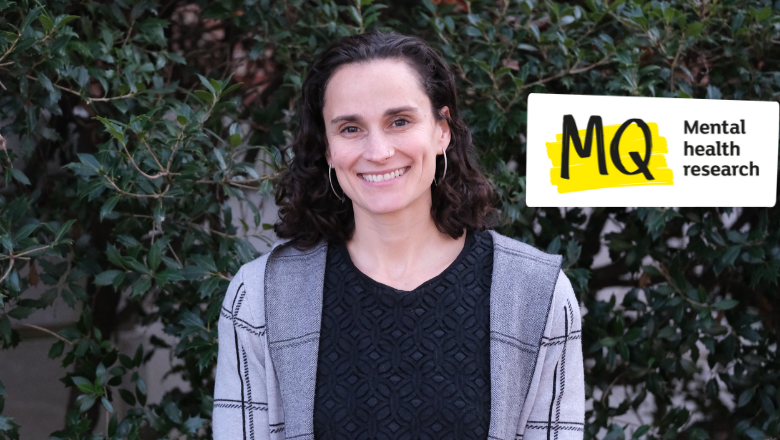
(381, 177)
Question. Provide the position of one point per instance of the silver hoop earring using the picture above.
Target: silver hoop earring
(331, 185)
(444, 153)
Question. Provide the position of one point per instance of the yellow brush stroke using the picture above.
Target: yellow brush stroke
(584, 172)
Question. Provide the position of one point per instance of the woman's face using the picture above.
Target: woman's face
(382, 136)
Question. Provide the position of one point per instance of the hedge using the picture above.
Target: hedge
(139, 121)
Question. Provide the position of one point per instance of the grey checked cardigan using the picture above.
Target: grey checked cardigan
(269, 338)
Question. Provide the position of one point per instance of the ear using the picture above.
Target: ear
(444, 126)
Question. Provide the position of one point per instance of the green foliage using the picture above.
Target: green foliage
(8, 428)
(141, 105)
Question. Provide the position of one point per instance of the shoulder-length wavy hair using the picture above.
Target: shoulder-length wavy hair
(309, 211)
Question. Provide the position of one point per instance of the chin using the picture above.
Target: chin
(381, 207)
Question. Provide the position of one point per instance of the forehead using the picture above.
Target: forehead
(373, 87)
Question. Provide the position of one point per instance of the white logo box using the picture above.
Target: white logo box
(759, 145)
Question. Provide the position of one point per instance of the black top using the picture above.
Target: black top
(397, 364)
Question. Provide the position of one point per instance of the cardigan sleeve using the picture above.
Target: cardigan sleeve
(240, 395)
(558, 410)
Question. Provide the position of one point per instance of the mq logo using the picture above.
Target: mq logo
(581, 172)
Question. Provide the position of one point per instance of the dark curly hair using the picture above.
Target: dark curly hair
(309, 211)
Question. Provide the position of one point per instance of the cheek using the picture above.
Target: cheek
(417, 145)
(342, 155)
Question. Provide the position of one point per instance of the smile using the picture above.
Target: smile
(386, 176)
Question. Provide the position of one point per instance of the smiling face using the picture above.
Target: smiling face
(383, 137)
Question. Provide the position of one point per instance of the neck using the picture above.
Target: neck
(401, 245)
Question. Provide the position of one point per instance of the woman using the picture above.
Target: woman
(388, 311)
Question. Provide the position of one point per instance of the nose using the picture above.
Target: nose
(377, 146)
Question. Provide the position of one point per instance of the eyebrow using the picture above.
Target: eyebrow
(388, 112)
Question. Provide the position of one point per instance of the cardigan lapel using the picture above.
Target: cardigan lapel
(520, 296)
(293, 303)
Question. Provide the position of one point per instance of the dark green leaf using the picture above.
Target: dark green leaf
(726, 304)
(65, 20)
(745, 397)
(173, 412)
(32, 15)
(19, 176)
(107, 277)
(141, 286)
(108, 206)
(21, 312)
(127, 396)
(46, 22)
(56, 349)
(205, 96)
(83, 384)
(107, 405)
(85, 401)
(608, 341)
(192, 424)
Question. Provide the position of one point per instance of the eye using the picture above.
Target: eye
(404, 121)
(348, 129)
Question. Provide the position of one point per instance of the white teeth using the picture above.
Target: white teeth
(382, 177)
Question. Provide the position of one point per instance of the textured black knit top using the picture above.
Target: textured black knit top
(397, 364)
